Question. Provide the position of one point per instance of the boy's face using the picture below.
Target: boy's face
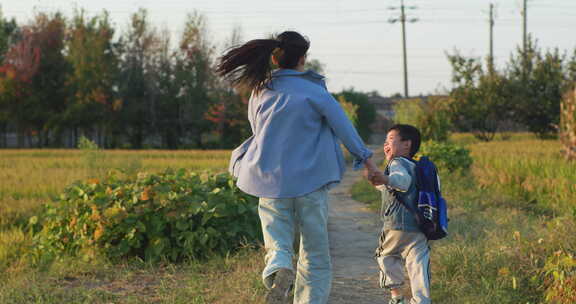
(394, 146)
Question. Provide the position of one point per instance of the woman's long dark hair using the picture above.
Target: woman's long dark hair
(249, 65)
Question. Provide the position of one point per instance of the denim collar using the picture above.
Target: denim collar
(290, 72)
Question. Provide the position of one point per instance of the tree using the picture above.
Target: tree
(7, 33)
(229, 107)
(430, 115)
(140, 48)
(195, 78)
(366, 111)
(20, 66)
(167, 105)
(48, 85)
(91, 55)
(8, 29)
(315, 65)
(479, 100)
(538, 81)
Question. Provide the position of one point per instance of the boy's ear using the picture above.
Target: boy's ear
(407, 145)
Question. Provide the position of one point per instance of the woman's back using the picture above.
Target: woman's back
(292, 140)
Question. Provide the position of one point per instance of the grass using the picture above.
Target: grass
(29, 178)
(511, 227)
(229, 279)
(511, 222)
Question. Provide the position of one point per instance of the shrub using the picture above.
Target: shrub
(430, 116)
(365, 112)
(175, 214)
(350, 109)
(447, 156)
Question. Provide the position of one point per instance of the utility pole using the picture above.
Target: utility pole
(491, 56)
(524, 26)
(403, 19)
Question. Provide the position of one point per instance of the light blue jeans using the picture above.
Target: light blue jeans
(279, 218)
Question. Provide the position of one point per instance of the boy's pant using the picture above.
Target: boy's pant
(279, 218)
(412, 247)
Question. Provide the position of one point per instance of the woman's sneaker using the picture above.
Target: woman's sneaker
(397, 301)
(283, 284)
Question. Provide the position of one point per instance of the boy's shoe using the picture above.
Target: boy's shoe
(283, 284)
(397, 301)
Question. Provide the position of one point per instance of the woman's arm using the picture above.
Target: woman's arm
(330, 109)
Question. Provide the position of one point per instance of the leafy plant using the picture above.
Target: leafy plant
(561, 271)
(365, 113)
(350, 109)
(173, 215)
(447, 156)
(430, 116)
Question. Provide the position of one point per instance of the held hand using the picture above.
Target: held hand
(378, 179)
(369, 169)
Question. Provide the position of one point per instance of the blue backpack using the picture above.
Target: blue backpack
(432, 212)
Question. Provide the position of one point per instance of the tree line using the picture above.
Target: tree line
(527, 91)
(61, 79)
(525, 94)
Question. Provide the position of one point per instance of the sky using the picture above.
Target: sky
(353, 38)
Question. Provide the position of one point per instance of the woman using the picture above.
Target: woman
(291, 160)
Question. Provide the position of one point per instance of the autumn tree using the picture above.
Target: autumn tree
(7, 30)
(229, 111)
(20, 66)
(194, 75)
(91, 54)
(48, 93)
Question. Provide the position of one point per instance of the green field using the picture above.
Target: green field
(29, 178)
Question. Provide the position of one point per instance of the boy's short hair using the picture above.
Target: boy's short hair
(408, 132)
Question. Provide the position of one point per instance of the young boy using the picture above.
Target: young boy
(401, 239)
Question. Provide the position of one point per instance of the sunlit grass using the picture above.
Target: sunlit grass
(509, 217)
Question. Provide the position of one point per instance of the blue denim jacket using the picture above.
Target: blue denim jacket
(394, 214)
(297, 127)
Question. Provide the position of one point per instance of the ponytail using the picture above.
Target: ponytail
(249, 65)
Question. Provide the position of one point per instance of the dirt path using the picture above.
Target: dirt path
(354, 231)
